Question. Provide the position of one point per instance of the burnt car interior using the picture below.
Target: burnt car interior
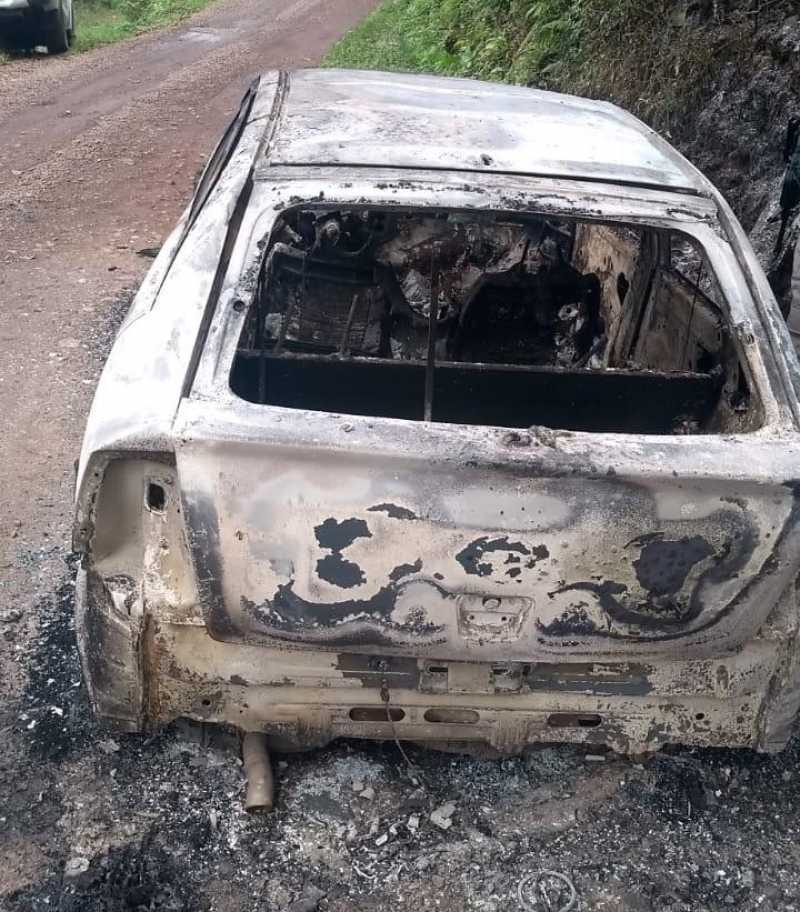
(492, 319)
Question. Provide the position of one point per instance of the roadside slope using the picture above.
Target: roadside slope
(719, 79)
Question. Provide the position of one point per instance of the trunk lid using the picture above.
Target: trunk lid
(457, 543)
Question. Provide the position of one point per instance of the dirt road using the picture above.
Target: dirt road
(97, 157)
(98, 154)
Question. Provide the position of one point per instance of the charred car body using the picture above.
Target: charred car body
(450, 412)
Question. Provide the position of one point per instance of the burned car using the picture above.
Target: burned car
(452, 413)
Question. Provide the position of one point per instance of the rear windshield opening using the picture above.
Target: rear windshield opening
(487, 319)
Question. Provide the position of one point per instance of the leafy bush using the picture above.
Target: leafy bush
(105, 21)
(510, 40)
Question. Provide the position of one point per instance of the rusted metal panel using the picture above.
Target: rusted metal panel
(334, 117)
(320, 699)
(289, 571)
(491, 565)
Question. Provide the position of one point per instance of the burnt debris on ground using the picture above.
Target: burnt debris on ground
(55, 718)
(157, 823)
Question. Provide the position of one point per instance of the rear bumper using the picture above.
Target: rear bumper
(309, 698)
(22, 12)
(16, 17)
(143, 673)
(34, 6)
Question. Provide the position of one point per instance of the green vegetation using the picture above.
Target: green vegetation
(381, 42)
(510, 40)
(106, 21)
(644, 54)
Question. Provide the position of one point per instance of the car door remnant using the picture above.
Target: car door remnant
(471, 422)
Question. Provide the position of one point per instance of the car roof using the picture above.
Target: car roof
(362, 118)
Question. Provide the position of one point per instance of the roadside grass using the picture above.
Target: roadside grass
(382, 41)
(504, 40)
(651, 57)
(100, 22)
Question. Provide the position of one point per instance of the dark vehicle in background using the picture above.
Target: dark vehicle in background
(27, 24)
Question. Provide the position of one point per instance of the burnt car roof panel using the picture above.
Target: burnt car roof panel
(351, 118)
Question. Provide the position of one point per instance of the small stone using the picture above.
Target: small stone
(441, 816)
(368, 794)
(413, 823)
(382, 840)
(108, 746)
(75, 867)
(358, 785)
(309, 901)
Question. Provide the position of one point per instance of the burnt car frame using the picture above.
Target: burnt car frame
(326, 491)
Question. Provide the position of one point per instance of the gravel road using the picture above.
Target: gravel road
(98, 154)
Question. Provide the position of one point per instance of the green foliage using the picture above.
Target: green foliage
(654, 57)
(510, 40)
(106, 21)
(379, 43)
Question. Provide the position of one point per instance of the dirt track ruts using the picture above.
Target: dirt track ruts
(98, 156)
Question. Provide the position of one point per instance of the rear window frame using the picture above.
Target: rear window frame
(696, 218)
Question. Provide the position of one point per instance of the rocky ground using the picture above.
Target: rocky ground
(98, 155)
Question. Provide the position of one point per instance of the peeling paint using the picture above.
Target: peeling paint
(644, 586)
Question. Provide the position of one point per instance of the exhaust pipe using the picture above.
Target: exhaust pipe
(260, 794)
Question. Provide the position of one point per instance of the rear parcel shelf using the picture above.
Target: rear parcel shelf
(503, 395)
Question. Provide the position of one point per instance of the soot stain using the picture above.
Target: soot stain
(333, 568)
(290, 613)
(471, 560)
(664, 565)
(405, 570)
(338, 535)
(393, 510)
(572, 622)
